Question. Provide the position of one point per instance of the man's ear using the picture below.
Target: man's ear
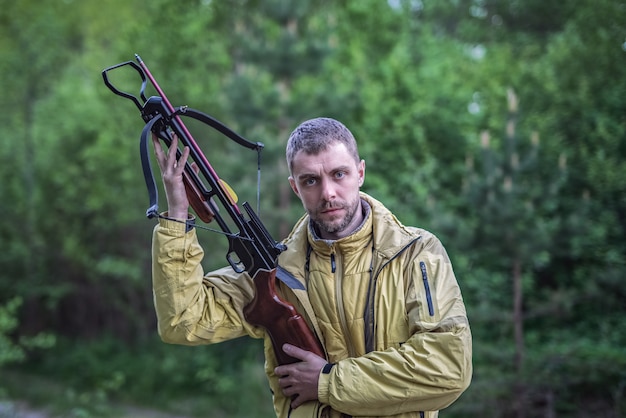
(361, 172)
(293, 185)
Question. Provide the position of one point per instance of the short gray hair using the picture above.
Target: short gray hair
(316, 135)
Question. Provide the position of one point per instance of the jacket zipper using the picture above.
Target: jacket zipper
(338, 272)
(429, 299)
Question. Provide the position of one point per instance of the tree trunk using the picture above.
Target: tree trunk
(518, 324)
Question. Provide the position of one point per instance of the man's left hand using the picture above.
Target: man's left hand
(299, 380)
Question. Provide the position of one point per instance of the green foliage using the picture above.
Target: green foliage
(9, 351)
(12, 351)
(97, 378)
(418, 82)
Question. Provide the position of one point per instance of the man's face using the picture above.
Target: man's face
(328, 186)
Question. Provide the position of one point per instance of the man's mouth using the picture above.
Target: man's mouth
(331, 210)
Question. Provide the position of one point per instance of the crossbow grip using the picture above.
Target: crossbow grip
(197, 200)
(280, 319)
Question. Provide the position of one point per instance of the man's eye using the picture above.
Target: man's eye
(340, 174)
(309, 182)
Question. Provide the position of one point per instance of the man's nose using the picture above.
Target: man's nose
(328, 190)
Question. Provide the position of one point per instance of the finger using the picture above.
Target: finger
(180, 164)
(158, 150)
(295, 352)
(282, 372)
(296, 401)
(289, 391)
(171, 154)
(285, 371)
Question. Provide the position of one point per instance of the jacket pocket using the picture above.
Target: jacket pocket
(429, 297)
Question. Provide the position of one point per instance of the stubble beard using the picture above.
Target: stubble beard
(334, 227)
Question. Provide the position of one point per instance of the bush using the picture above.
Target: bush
(9, 351)
(188, 381)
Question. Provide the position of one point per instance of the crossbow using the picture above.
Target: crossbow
(251, 248)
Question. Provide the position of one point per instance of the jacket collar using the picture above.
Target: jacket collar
(389, 235)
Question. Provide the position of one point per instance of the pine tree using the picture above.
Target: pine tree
(512, 201)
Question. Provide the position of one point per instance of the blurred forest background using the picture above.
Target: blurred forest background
(499, 125)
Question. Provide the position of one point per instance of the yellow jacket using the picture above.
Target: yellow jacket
(384, 302)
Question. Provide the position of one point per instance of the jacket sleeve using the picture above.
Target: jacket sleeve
(431, 369)
(192, 308)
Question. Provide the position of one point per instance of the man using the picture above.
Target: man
(385, 302)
